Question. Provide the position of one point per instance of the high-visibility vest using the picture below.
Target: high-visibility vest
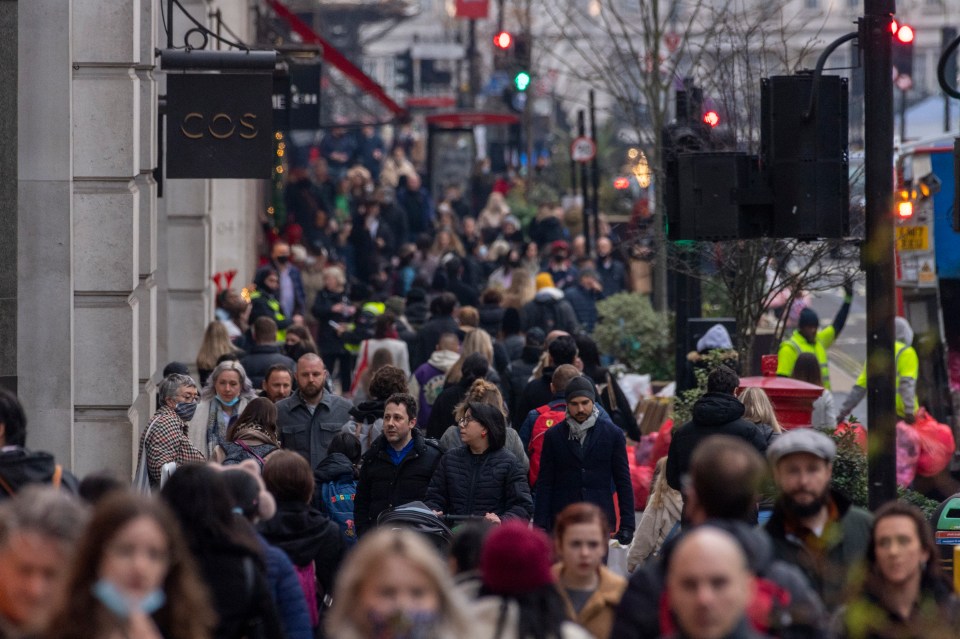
(790, 350)
(908, 365)
(278, 315)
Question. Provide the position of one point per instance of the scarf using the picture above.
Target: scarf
(578, 431)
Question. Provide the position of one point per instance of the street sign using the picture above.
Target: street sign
(472, 9)
(583, 149)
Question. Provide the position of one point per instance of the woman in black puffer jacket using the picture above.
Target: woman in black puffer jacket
(480, 478)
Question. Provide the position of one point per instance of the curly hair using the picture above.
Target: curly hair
(387, 381)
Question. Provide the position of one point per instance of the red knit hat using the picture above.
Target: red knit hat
(516, 559)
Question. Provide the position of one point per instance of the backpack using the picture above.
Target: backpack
(549, 415)
(308, 582)
(336, 501)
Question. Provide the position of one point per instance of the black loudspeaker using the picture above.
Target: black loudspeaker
(805, 153)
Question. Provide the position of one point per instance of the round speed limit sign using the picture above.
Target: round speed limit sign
(583, 149)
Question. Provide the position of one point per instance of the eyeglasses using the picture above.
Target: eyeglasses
(463, 421)
(188, 399)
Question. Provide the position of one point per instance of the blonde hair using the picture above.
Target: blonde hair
(337, 274)
(758, 409)
(216, 342)
(483, 392)
(345, 618)
(660, 488)
(476, 341)
(521, 290)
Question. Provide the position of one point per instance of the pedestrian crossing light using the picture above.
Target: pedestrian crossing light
(521, 80)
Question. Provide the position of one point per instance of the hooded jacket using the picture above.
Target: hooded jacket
(306, 535)
(19, 467)
(366, 423)
(426, 383)
(550, 311)
(713, 414)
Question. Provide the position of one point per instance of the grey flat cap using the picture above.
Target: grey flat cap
(802, 440)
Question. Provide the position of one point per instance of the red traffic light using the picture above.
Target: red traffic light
(621, 183)
(905, 34)
(711, 118)
(503, 40)
(902, 32)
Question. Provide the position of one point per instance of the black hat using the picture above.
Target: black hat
(580, 387)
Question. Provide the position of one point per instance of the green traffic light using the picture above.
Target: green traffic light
(521, 80)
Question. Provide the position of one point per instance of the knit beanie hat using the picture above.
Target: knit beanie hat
(516, 559)
(808, 317)
(581, 387)
(544, 280)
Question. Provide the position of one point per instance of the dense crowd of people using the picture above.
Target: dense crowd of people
(406, 431)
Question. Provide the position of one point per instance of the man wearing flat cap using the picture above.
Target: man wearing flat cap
(582, 458)
(812, 526)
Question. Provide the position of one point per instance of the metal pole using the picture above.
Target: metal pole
(582, 131)
(877, 253)
(595, 169)
(473, 69)
(903, 116)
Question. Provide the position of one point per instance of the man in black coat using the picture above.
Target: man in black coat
(398, 467)
(585, 459)
(718, 412)
(441, 321)
(265, 352)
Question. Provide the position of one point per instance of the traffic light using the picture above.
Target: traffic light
(503, 40)
(521, 80)
(901, 55)
(711, 119)
(403, 71)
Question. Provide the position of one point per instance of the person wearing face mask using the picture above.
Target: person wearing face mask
(292, 298)
(133, 578)
(395, 586)
(167, 438)
(264, 301)
(226, 393)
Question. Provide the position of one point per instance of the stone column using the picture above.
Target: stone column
(45, 358)
(107, 136)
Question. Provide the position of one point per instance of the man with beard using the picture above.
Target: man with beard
(812, 526)
(309, 418)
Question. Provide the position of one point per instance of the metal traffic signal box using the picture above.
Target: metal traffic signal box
(804, 152)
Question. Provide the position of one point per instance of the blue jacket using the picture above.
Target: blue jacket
(584, 304)
(571, 473)
(287, 593)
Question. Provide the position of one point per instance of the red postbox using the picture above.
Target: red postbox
(792, 399)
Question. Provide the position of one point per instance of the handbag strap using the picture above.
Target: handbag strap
(243, 445)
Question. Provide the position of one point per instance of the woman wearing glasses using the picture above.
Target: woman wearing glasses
(480, 478)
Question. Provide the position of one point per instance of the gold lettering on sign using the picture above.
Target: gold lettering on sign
(246, 123)
(222, 136)
(183, 127)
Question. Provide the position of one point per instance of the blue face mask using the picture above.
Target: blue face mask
(121, 605)
(232, 402)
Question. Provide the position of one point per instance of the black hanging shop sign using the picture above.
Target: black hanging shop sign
(296, 97)
(219, 124)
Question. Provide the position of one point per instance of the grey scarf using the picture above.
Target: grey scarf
(578, 431)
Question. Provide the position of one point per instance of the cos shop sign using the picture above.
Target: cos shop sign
(219, 125)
